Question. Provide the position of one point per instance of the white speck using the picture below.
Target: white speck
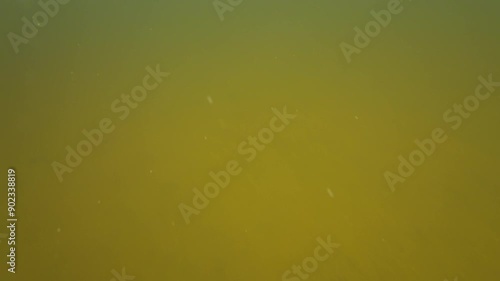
(205, 137)
(356, 117)
(58, 229)
(330, 192)
(210, 101)
(150, 171)
(246, 230)
(383, 240)
(98, 201)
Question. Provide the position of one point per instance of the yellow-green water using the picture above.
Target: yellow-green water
(323, 175)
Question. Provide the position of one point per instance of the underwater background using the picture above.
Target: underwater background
(372, 125)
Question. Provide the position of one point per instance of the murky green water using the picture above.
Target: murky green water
(300, 141)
